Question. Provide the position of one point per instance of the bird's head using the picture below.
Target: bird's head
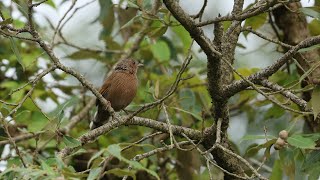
(128, 65)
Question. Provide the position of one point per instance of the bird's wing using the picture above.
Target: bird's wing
(105, 87)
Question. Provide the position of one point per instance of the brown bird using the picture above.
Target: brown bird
(119, 89)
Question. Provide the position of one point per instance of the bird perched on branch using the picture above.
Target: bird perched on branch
(119, 89)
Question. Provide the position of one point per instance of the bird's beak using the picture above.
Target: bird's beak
(140, 65)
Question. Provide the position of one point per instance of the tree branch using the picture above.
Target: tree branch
(139, 121)
(240, 85)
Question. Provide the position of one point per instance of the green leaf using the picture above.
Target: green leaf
(188, 112)
(59, 162)
(115, 150)
(255, 137)
(312, 160)
(257, 148)
(23, 116)
(251, 150)
(134, 145)
(29, 105)
(24, 173)
(313, 136)
(47, 168)
(79, 151)
(22, 6)
(94, 173)
(287, 161)
(36, 122)
(122, 172)
(131, 22)
(267, 153)
(70, 173)
(18, 95)
(132, 4)
(309, 11)
(276, 171)
(111, 44)
(145, 4)
(301, 142)
(255, 22)
(51, 3)
(96, 155)
(274, 112)
(245, 72)
(226, 25)
(106, 17)
(184, 36)
(313, 26)
(161, 50)
(5, 110)
(282, 78)
(45, 138)
(9, 84)
(78, 55)
(187, 99)
(306, 74)
(315, 101)
(71, 142)
(314, 174)
(158, 32)
(60, 109)
(16, 52)
(5, 22)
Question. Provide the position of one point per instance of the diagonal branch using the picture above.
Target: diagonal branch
(240, 85)
(299, 101)
(139, 121)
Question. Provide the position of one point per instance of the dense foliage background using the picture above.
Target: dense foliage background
(45, 108)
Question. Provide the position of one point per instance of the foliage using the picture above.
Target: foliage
(57, 98)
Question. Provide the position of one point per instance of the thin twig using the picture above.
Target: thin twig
(38, 3)
(141, 140)
(60, 21)
(20, 138)
(267, 38)
(7, 103)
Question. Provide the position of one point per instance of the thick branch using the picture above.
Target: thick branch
(120, 121)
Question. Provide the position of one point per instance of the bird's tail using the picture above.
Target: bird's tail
(100, 118)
